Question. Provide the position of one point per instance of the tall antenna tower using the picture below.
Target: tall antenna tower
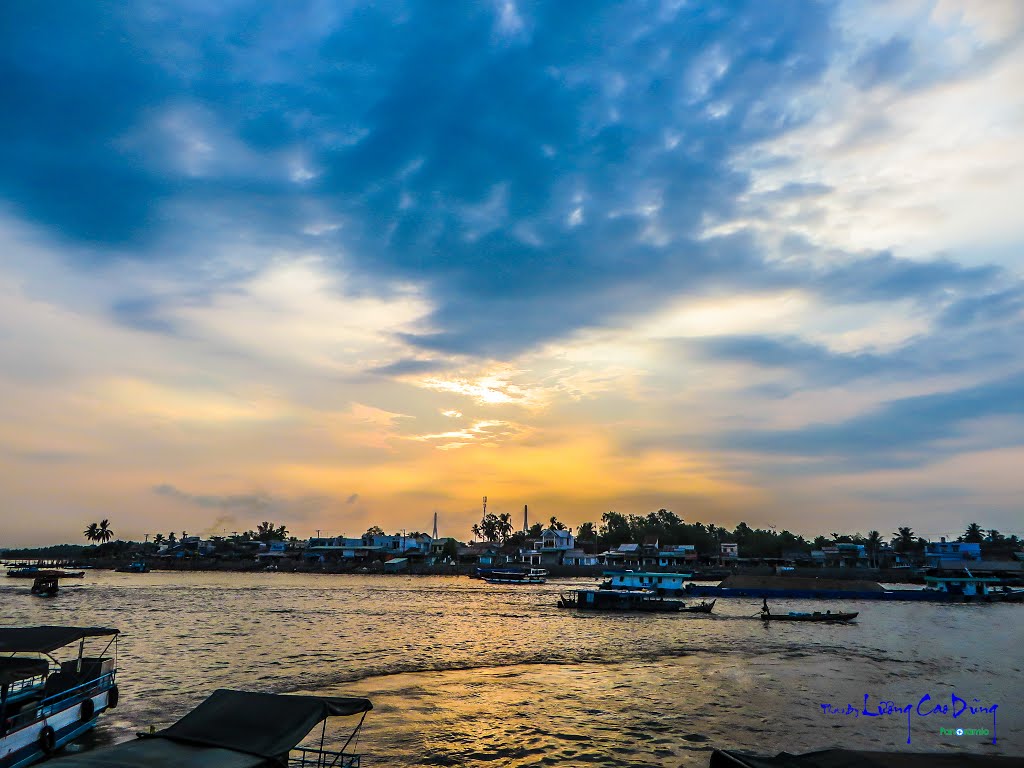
(526, 519)
(485, 506)
(434, 536)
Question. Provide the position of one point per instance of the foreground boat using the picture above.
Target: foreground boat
(645, 601)
(848, 758)
(45, 703)
(237, 729)
(816, 616)
(136, 567)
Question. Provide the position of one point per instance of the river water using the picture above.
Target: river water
(470, 674)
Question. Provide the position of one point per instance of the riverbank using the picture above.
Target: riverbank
(885, 576)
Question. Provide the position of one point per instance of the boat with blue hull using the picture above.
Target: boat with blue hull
(810, 588)
(44, 702)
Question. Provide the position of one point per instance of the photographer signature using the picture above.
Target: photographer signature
(924, 708)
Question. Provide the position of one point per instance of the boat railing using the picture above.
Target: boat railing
(313, 757)
(59, 701)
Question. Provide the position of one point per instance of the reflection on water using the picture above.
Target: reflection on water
(466, 673)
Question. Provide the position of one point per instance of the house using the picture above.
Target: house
(729, 550)
(673, 555)
(274, 550)
(578, 557)
(341, 549)
(951, 554)
(625, 555)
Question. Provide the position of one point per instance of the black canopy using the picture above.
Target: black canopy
(852, 758)
(46, 639)
(231, 729)
(263, 724)
(18, 668)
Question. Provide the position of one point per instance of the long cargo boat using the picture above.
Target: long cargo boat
(957, 589)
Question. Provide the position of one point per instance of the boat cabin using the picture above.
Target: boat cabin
(966, 585)
(658, 582)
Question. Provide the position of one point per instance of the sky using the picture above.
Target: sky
(339, 264)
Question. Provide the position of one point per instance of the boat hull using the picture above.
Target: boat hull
(820, 617)
(22, 746)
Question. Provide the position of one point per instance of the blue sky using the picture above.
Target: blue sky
(336, 264)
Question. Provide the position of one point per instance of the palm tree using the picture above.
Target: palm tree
(504, 526)
(586, 532)
(104, 532)
(158, 539)
(556, 525)
(873, 540)
(974, 534)
(92, 532)
(171, 538)
(905, 538)
(476, 531)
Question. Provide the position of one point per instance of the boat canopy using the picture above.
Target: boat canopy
(46, 639)
(231, 729)
(19, 668)
(845, 758)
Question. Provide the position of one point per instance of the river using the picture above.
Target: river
(470, 674)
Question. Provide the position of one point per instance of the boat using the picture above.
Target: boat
(45, 586)
(34, 571)
(661, 583)
(816, 616)
(645, 601)
(844, 758)
(137, 567)
(238, 729)
(511, 576)
(45, 702)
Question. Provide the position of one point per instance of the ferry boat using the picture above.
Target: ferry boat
(963, 586)
(44, 702)
(644, 601)
(516, 576)
(660, 583)
(45, 586)
(238, 729)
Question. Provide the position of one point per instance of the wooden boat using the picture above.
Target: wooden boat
(237, 729)
(631, 600)
(32, 572)
(533, 576)
(45, 586)
(46, 702)
(137, 567)
(816, 616)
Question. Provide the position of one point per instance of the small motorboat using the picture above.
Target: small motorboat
(815, 616)
(45, 586)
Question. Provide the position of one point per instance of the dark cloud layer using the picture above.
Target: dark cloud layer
(531, 171)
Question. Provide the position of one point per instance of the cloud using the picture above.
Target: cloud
(251, 504)
(906, 432)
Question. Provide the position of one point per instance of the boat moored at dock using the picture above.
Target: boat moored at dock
(238, 729)
(44, 702)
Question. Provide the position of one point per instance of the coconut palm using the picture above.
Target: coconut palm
(556, 524)
(158, 539)
(476, 531)
(873, 541)
(92, 532)
(104, 532)
(974, 534)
